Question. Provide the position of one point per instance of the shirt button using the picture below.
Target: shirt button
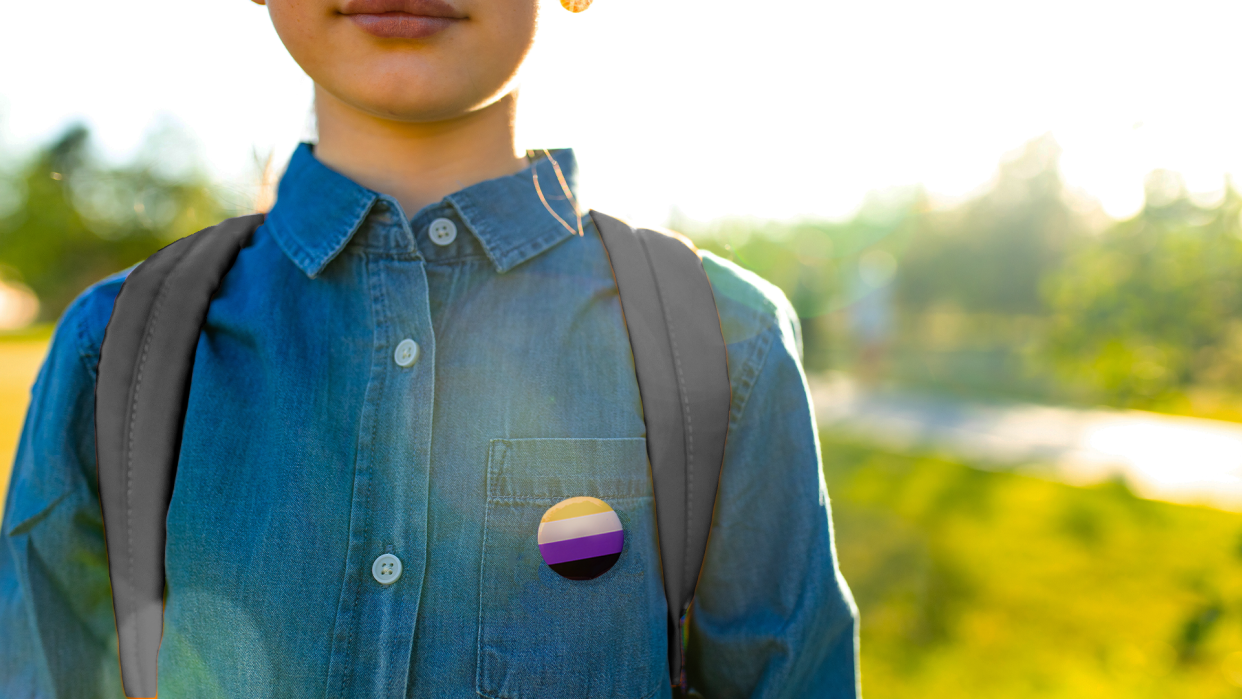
(386, 569)
(442, 231)
(407, 352)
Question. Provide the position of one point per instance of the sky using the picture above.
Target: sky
(711, 108)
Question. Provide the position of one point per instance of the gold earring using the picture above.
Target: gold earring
(575, 5)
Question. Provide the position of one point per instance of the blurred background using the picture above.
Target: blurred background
(1009, 229)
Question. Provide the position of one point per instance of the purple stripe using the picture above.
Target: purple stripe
(583, 547)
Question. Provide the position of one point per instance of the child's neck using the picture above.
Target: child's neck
(417, 163)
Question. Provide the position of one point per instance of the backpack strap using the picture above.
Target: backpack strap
(683, 379)
(143, 383)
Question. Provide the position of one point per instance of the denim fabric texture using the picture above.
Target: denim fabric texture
(309, 451)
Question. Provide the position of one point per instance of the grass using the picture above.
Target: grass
(987, 584)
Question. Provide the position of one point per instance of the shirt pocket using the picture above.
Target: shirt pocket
(543, 635)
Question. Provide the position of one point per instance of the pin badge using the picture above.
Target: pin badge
(581, 538)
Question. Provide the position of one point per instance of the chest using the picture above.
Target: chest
(430, 414)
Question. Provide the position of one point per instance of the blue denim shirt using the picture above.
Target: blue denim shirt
(309, 451)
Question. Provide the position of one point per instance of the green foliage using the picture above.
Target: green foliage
(805, 260)
(70, 220)
(823, 267)
(1152, 309)
(989, 584)
(964, 283)
(1023, 292)
(990, 254)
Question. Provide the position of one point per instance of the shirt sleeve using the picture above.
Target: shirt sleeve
(772, 617)
(57, 628)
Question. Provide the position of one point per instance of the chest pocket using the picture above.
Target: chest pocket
(543, 635)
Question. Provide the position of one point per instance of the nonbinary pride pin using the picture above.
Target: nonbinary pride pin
(580, 538)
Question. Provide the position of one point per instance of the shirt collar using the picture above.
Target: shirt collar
(318, 210)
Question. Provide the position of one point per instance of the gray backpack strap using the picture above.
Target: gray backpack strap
(683, 378)
(143, 383)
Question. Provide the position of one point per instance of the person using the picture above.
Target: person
(409, 363)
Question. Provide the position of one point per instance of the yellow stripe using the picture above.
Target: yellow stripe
(575, 507)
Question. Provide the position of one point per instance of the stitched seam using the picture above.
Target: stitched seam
(685, 411)
(470, 215)
(506, 258)
(527, 249)
(502, 447)
(487, 512)
(290, 245)
(343, 677)
(381, 316)
(447, 261)
(84, 346)
(750, 372)
(133, 416)
(330, 253)
(313, 259)
(538, 498)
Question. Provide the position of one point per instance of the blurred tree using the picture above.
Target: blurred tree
(75, 220)
(1153, 307)
(991, 253)
(823, 267)
(1024, 291)
(984, 259)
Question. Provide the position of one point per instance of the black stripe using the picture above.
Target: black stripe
(586, 568)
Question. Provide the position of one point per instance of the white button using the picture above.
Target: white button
(442, 231)
(407, 352)
(386, 568)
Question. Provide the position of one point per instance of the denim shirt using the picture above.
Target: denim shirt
(311, 448)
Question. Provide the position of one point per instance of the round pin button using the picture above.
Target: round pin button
(442, 231)
(386, 568)
(406, 353)
(581, 538)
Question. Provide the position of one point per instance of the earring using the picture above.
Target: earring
(575, 5)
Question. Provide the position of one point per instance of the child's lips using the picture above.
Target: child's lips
(402, 19)
(401, 25)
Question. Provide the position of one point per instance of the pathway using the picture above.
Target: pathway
(1164, 457)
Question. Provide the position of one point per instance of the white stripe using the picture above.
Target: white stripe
(577, 527)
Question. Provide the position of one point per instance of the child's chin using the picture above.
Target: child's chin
(413, 96)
